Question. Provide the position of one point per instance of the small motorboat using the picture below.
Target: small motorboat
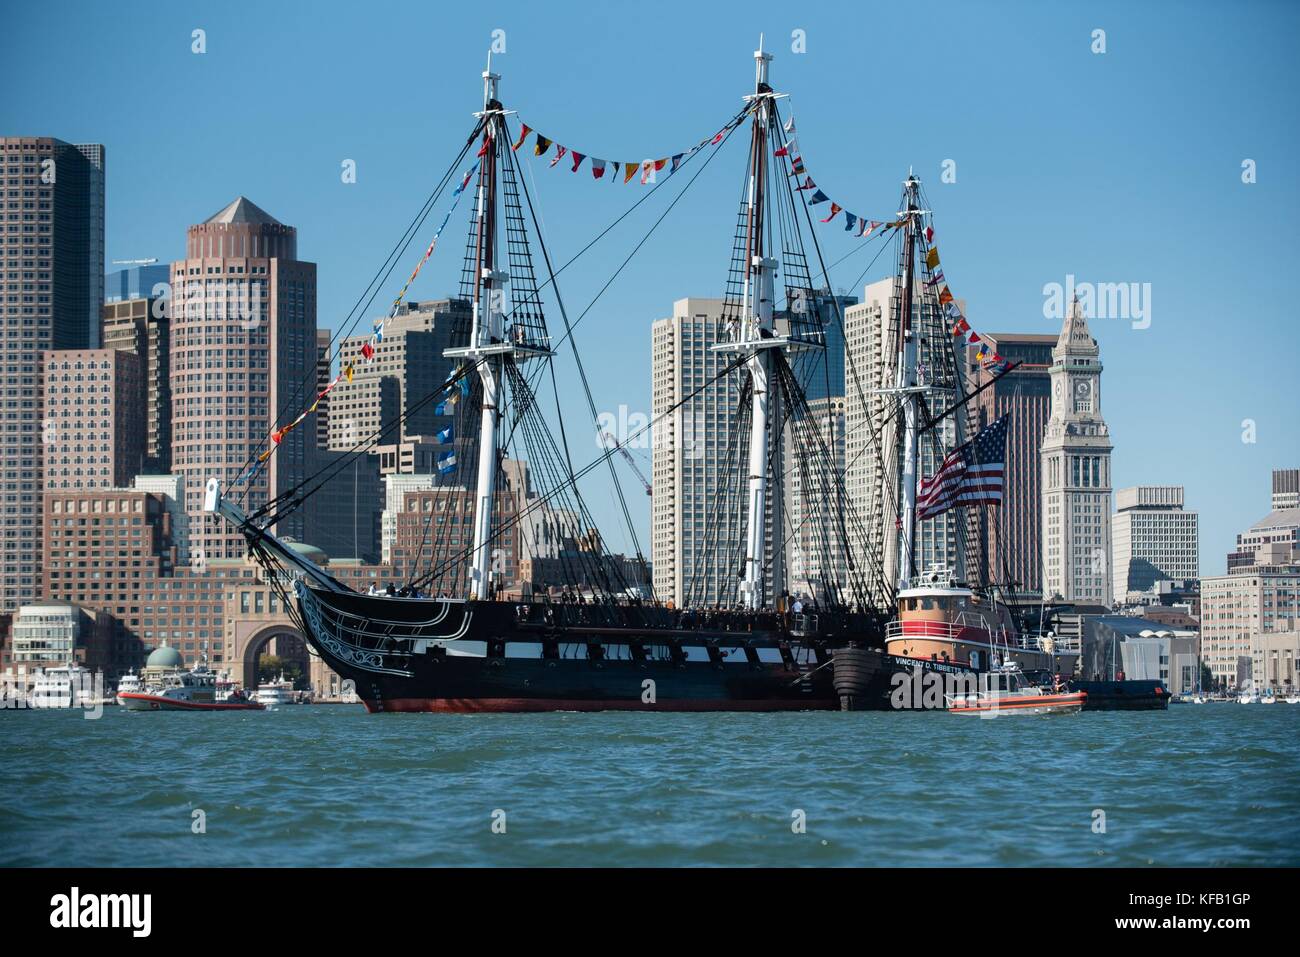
(194, 690)
(129, 683)
(273, 694)
(1268, 697)
(1009, 692)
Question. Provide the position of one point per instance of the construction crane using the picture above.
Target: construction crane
(134, 262)
(610, 440)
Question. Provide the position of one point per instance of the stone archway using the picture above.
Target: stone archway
(286, 642)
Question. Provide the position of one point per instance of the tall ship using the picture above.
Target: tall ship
(451, 640)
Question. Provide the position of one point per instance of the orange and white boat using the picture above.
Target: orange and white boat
(194, 690)
(1007, 691)
(941, 619)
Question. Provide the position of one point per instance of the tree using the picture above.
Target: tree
(270, 667)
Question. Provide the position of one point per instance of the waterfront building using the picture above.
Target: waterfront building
(51, 289)
(1076, 476)
(1238, 608)
(1009, 537)
(53, 634)
(143, 327)
(94, 418)
(1138, 649)
(243, 361)
(1275, 657)
(1153, 538)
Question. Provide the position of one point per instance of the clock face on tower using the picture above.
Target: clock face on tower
(1058, 388)
(1083, 388)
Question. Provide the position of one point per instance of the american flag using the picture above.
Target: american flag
(972, 473)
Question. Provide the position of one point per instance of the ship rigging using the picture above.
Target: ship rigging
(730, 642)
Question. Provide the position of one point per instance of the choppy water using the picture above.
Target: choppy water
(331, 785)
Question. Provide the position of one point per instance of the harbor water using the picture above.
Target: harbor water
(1197, 785)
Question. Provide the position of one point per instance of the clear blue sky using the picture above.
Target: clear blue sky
(1119, 167)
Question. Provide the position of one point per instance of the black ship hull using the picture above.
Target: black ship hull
(438, 655)
(1139, 695)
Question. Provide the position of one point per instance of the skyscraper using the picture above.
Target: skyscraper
(1009, 537)
(142, 281)
(51, 286)
(695, 534)
(243, 361)
(143, 327)
(815, 524)
(821, 373)
(324, 362)
(391, 392)
(1076, 472)
(94, 418)
(1153, 539)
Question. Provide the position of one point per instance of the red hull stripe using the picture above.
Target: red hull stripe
(470, 705)
(189, 705)
(1027, 703)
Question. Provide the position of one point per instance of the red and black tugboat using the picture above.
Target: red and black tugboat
(749, 646)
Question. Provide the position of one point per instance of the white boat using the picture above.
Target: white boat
(1247, 697)
(1268, 697)
(68, 686)
(1198, 699)
(273, 694)
(194, 690)
(1010, 692)
(129, 683)
(1293, 699)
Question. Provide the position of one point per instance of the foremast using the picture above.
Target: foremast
(489, 347)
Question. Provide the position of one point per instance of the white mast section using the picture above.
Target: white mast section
(487, 325)
(755, 335)
(756, 321)
(911, 398)
(489, 345)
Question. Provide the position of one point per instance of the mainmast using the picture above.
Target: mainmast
(756, 334)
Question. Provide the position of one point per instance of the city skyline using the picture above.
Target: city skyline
(1152, 230)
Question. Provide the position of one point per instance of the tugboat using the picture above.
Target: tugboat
(1009, 692)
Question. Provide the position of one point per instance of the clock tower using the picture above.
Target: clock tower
(1076, 472)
